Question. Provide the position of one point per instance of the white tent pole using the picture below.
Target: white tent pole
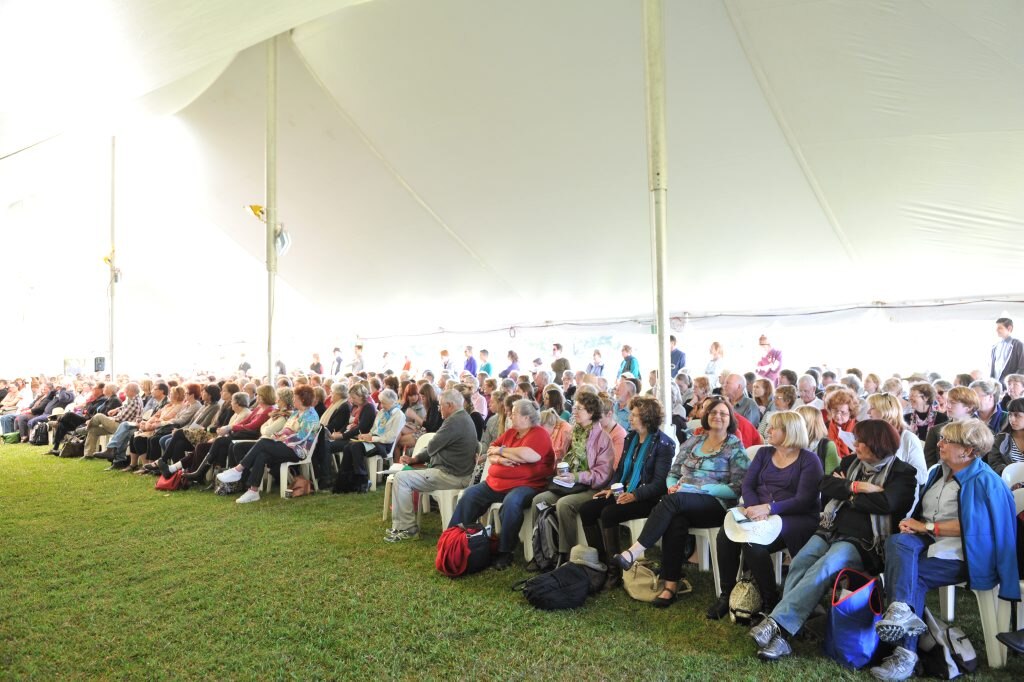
(271, 199)
(112, 262)
(654, 87)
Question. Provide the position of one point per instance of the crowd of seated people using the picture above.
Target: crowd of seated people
(878, 474)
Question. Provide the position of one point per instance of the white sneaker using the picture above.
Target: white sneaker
(229, 476)
(249, 496)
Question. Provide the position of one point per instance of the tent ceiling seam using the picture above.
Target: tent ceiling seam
(452, 234)
(787, 132)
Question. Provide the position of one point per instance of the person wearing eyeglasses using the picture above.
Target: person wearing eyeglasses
(703, 482)
(957, 533)
(961, 403)
(865, 498)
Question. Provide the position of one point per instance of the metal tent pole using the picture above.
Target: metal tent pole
(271, 198)
(112, 263)
(654, 87)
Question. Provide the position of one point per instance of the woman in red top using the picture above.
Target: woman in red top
(520, 464)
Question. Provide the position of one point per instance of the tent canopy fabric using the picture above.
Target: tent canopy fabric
(473, 165)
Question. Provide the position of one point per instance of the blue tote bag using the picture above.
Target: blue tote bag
(850, 637)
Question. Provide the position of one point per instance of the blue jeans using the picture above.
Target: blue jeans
(910, 573)
(478, 499)
(811, 574)
(120, 440)
(7, 423)
(164, 440)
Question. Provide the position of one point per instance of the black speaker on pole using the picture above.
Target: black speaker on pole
(99, 364)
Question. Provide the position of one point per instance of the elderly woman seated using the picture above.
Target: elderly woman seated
(559, 430)
(922, 415)
(521, 462)
(817, 438)
(293, 443)
(139, 443)
(954, 535)
(783, 398)
(783, 481)
(352, 473)
(639, 482)
(588, 466)
(703, 482)
(841, 410)
(865, 498)
(146, 442)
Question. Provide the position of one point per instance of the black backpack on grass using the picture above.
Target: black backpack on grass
(40, 434)
(566, 587)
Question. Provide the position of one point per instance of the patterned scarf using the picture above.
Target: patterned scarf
(576, 457)
(881, 524)
(916, 422)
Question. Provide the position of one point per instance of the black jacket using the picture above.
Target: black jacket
(656, 466)
(853, 521)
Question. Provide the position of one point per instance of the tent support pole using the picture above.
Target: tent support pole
(111, 259)
(654, 88)
(271, 199)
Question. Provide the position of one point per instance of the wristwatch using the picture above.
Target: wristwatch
(930, 527)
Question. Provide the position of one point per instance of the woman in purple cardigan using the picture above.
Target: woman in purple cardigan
(782, 480)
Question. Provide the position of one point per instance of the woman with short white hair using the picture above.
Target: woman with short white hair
(387, 425)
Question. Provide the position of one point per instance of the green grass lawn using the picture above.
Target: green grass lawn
(101, 576)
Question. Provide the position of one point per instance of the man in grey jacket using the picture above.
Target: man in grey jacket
(451, 454)
(736, 393)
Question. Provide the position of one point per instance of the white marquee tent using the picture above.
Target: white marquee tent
(475, 165)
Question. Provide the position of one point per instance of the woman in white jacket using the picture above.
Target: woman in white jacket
(886, 407)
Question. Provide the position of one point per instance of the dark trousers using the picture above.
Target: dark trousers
(265, 453)
(177, 448)
(139, 445)
(757, 558)
(671, 521)
(352, 474)
(68, 422)
(604, 514)
(220, 448)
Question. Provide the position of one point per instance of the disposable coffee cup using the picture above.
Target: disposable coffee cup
(616, 489)
(562, 468)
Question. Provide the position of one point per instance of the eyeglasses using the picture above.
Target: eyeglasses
(943, 439)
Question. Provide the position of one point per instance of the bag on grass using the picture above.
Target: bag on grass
(172, 483)
(642, 582)
(850, 637)
(300, 487)
(12, 438)
(744, 601)
(40, 434)
(566, 587)
(72, 446)
(944, 651)
(545, 539)
(223, 488)
(462, 550)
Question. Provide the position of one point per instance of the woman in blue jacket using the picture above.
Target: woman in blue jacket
(646, 457)
(961, 530)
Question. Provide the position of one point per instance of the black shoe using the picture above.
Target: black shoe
(503, 562)
(664, 602)
(720, 609)
(52, 451)
(165, 469)
(613, 580)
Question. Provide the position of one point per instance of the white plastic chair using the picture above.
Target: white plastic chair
(752, 450)
(374, 465)
(1014, 473)
(285, 466)
(421, 445)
